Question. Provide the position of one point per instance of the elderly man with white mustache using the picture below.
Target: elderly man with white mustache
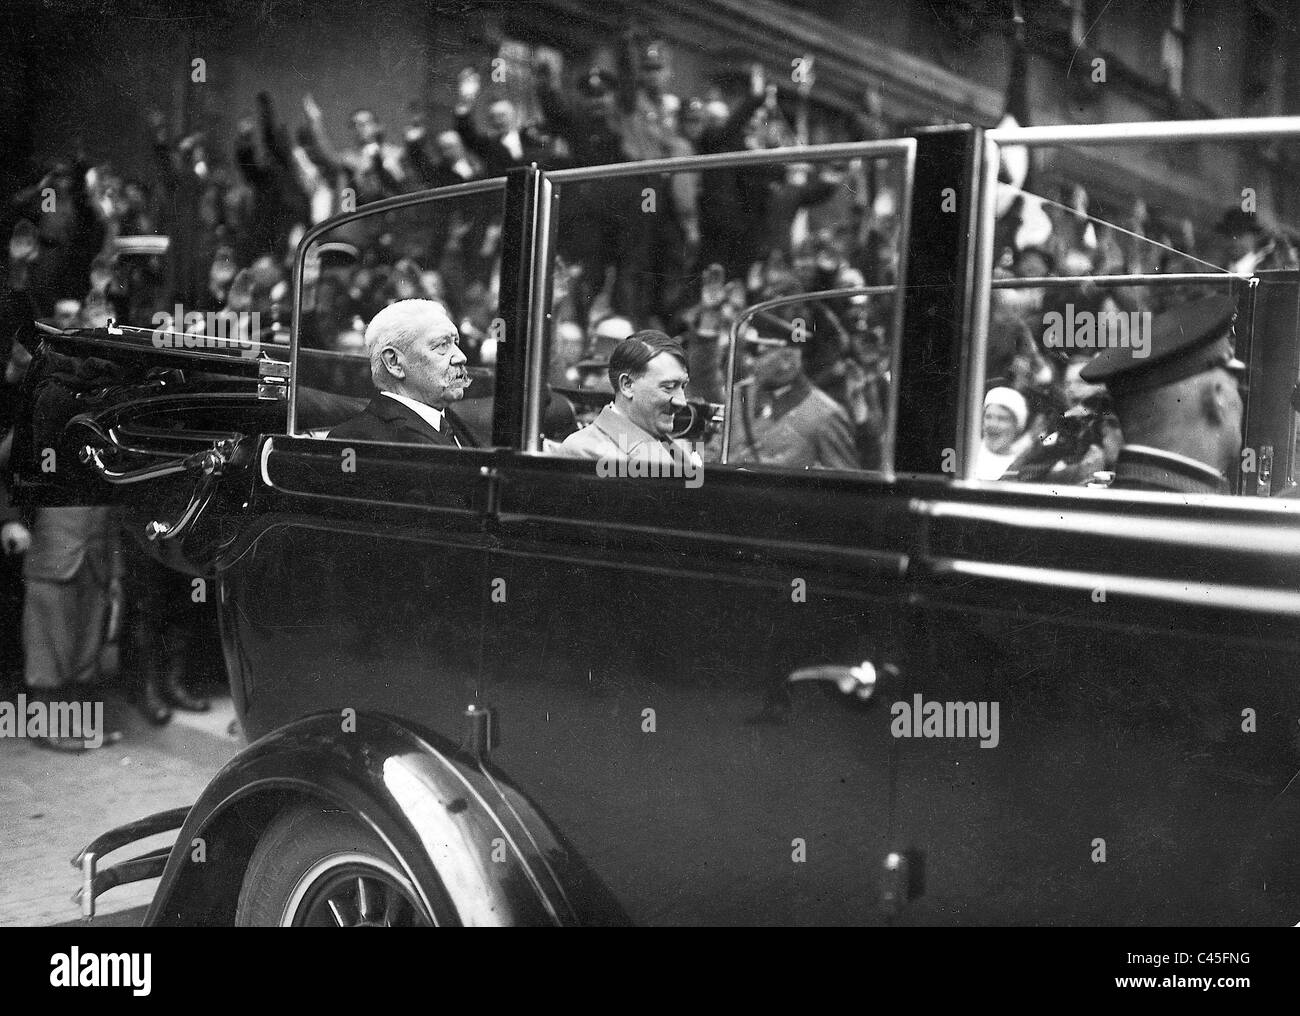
(417, 365)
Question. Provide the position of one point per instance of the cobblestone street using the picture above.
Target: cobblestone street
(52, 804)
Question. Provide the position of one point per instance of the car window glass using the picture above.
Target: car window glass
(445, 250)
(698, 254)
(1104, 366)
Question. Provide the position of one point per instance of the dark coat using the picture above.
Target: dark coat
(592, 141)
(495, 156)
(386, 419)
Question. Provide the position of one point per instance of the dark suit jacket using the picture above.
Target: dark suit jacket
(387, 419)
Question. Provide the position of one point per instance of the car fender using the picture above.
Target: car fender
(475, 849)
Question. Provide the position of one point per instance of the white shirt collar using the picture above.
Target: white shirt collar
(431, 416)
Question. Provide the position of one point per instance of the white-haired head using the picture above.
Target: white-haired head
(413, 352)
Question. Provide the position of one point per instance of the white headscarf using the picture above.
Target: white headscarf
(1012, 401)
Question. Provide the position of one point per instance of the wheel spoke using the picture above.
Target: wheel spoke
(357, 894)
(396, 908)
(336, 910)
(363, 898)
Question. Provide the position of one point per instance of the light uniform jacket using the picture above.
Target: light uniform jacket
(614, 437)
(803, 428)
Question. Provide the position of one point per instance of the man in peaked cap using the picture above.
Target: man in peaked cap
(786, 420)
(1180, 406)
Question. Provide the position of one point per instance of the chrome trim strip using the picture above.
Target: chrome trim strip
(1103, 281)
(974, 364)
(458, 190)
(1247, 538)
(539, 319)
(335, 354)
(1225, 504)
(766, 156)
(1150, 132)
(1251, 599)
(262, 463)
(900, 284)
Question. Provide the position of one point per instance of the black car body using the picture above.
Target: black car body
(542, 695)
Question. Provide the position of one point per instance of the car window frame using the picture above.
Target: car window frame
(974, 358)
(903, 149)
(398, 202)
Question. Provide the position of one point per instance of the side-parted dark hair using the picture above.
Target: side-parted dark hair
(633, 354)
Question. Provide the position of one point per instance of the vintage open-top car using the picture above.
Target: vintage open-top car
(492, 684)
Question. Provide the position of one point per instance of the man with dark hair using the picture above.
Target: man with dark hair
(1179, 405)
(648, 373)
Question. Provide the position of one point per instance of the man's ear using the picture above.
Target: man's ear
(624, 385)
(1214, 401)
(392, 360)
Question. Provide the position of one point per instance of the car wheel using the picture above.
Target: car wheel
(322, 868)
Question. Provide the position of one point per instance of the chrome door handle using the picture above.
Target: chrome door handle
(859, 682)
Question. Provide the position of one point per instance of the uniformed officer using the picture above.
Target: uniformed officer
(1180, 404)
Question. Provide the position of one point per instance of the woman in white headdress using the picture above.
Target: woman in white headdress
(1006, 415)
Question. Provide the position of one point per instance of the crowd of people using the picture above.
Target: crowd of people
(216, 230)
(682, 252)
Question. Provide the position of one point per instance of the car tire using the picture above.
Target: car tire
(320, 867)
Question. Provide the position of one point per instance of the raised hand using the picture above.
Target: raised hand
(15, 538)
(23, 243)
(416, 129)
(157, 123)
(468, 85)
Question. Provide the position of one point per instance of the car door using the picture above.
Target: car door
(1141, 648)
(359, 585)
(687, 676)
(1143, 656)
